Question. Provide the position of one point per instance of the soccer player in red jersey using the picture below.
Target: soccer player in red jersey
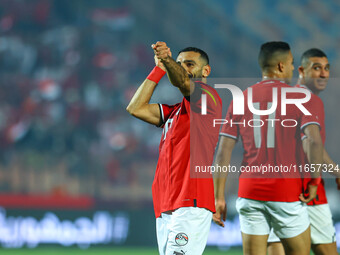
(313, 75)
(271, 199)
(183, 200)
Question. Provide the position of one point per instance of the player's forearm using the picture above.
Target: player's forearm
(177, 75)
(222, 161)
(315, 154)
(141, 98)
(220, 178)
(314, 148)
(219, 186)
(333, 168)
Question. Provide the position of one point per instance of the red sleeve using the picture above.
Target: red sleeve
(166, 111)
(316, 108)
(229, 129)
(213, 100)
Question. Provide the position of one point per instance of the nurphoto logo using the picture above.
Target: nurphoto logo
(238, 100)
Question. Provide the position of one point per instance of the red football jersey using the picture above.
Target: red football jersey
(268, 142)
(321, 192)
(184, 130)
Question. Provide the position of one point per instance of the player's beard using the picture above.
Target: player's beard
(197, 75)
(316, 84)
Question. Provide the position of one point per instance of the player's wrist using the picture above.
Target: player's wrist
(219, 197)
(156, 74)
(166, 59)
(315, 181)
(161, 66)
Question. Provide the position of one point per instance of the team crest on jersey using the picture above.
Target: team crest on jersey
(179, 253)
(181, 239)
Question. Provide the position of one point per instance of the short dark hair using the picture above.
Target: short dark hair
(204, 55)
(269, 50)
(314, 52)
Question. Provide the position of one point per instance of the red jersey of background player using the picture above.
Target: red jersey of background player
(188, 139)
(272, 144)
(321, 192)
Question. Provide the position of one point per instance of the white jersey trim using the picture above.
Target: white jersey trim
(228, 135)
(310, 123)
(162, 113)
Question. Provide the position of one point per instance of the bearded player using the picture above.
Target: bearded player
(313, 75)
(183, 200)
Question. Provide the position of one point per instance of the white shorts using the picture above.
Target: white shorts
(273, 238)
(184, 231)
(321, 225)
(288, 219)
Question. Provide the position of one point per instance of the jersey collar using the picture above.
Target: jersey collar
(271, 81)
(303, 86)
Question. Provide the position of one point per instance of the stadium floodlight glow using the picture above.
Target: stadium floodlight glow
(238, 100)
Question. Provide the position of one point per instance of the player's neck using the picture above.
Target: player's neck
(315, 92)
(272, 77)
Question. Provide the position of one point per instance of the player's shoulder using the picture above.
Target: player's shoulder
(265, 84)
(272, 83)
(317, 102)
(204, 87)
(265, 87)
(315, 99)
(171, 107)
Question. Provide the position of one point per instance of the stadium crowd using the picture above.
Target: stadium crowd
(65, 81)
(68, 70)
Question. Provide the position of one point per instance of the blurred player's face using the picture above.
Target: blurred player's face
(288, 68)
(193, 63)
(316, 74)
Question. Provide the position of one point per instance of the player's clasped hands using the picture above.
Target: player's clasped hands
(161, 50)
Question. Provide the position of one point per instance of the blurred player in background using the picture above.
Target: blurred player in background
(314, 75)
(270, 200)
(183, 203)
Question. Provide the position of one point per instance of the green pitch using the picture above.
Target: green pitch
(105, 251)
(102, 251)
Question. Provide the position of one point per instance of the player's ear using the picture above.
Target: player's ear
(280, 67)
(206, 70)
(301, 71)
